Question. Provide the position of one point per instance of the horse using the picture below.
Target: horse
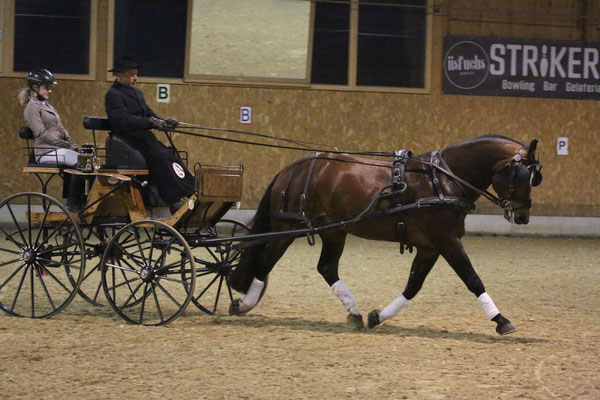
(425, 208)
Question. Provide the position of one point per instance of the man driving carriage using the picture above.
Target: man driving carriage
(132, 118)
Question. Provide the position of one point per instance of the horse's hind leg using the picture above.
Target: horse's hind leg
(261, 267)
(422, 264)
(333, 246)
(460, 263)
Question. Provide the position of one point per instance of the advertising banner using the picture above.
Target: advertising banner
(521, 67)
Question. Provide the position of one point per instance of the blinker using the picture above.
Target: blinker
(536, 175)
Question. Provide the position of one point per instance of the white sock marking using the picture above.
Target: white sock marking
(393, 308)
(251, 298)
(342, 293)
(488, 306)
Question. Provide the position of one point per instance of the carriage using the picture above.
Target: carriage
(151, 264)
(125, 249)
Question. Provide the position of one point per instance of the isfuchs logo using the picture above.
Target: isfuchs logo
(466, 65)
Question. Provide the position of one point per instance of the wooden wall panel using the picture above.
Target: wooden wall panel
(533, 19)
(357, 120)
(362, 121)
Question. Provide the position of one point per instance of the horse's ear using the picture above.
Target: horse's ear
(531, 149)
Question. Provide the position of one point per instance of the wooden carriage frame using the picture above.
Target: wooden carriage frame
(116, 211)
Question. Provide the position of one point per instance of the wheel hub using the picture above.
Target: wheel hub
(146, 274)
(29, 256)
(221, 268)
(225, 268)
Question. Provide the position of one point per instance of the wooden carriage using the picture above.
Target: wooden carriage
(146, 260)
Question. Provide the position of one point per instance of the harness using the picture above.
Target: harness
(399, 186)
(397, 189)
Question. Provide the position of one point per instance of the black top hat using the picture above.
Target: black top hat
(124, 63)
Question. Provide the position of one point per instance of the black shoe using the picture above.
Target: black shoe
(173, 208)
(75, 208)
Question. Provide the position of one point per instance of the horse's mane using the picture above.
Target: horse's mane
(483, 138)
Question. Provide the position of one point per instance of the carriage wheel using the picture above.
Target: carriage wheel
(148, 273)
(214, 265)
(42, 256)
(96, 240)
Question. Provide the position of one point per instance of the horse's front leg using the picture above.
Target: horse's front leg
(333, 246)
(422, 264)
(456, 256)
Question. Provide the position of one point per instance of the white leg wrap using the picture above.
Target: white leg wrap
(251, 298)
(342, 293)
(488, 306)
(393, 308)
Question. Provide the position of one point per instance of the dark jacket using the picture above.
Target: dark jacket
(127, 110)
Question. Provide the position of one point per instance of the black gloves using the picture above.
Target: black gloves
(158, 123)
(172, 123)
(163, 125)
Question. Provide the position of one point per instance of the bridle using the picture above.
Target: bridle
(534, 176)
(506, 202)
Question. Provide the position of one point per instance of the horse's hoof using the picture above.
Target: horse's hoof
(506, 329)
(503, 327)
(234, 307)
(373, 319)
(356, 321)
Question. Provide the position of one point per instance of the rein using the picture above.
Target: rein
(436, 163)
(306, 145)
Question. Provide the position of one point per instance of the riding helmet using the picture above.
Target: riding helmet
(40, 77)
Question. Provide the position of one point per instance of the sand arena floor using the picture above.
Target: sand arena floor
(296, 344)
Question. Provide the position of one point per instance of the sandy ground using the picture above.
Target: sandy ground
(296, 344)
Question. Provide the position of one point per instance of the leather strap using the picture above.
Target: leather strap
(435, 163)
(399, 196)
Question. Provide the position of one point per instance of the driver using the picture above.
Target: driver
(130, 116)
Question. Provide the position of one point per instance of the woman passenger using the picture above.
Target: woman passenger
(53, 144)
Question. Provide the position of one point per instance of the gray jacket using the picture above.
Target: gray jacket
(47, 129)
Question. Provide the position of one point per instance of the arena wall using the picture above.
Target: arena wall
(379, 121)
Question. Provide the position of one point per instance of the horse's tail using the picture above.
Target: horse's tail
(242, 276)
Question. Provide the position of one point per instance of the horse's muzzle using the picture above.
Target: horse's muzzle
(521, 219)
(516, 218)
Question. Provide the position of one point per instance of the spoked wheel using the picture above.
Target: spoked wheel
(214, 266)
(42, 256)
(148, 273)
(96, 240)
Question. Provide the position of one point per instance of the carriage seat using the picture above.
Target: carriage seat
(32, 165)
(120, 156)
(119, 153)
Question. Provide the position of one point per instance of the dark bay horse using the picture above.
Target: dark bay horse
(325, 187)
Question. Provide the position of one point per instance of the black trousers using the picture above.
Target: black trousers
(172, 182)
(74, 189)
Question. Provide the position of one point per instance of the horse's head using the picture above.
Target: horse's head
(513, 181)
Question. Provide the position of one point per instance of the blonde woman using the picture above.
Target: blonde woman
(53, 144)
